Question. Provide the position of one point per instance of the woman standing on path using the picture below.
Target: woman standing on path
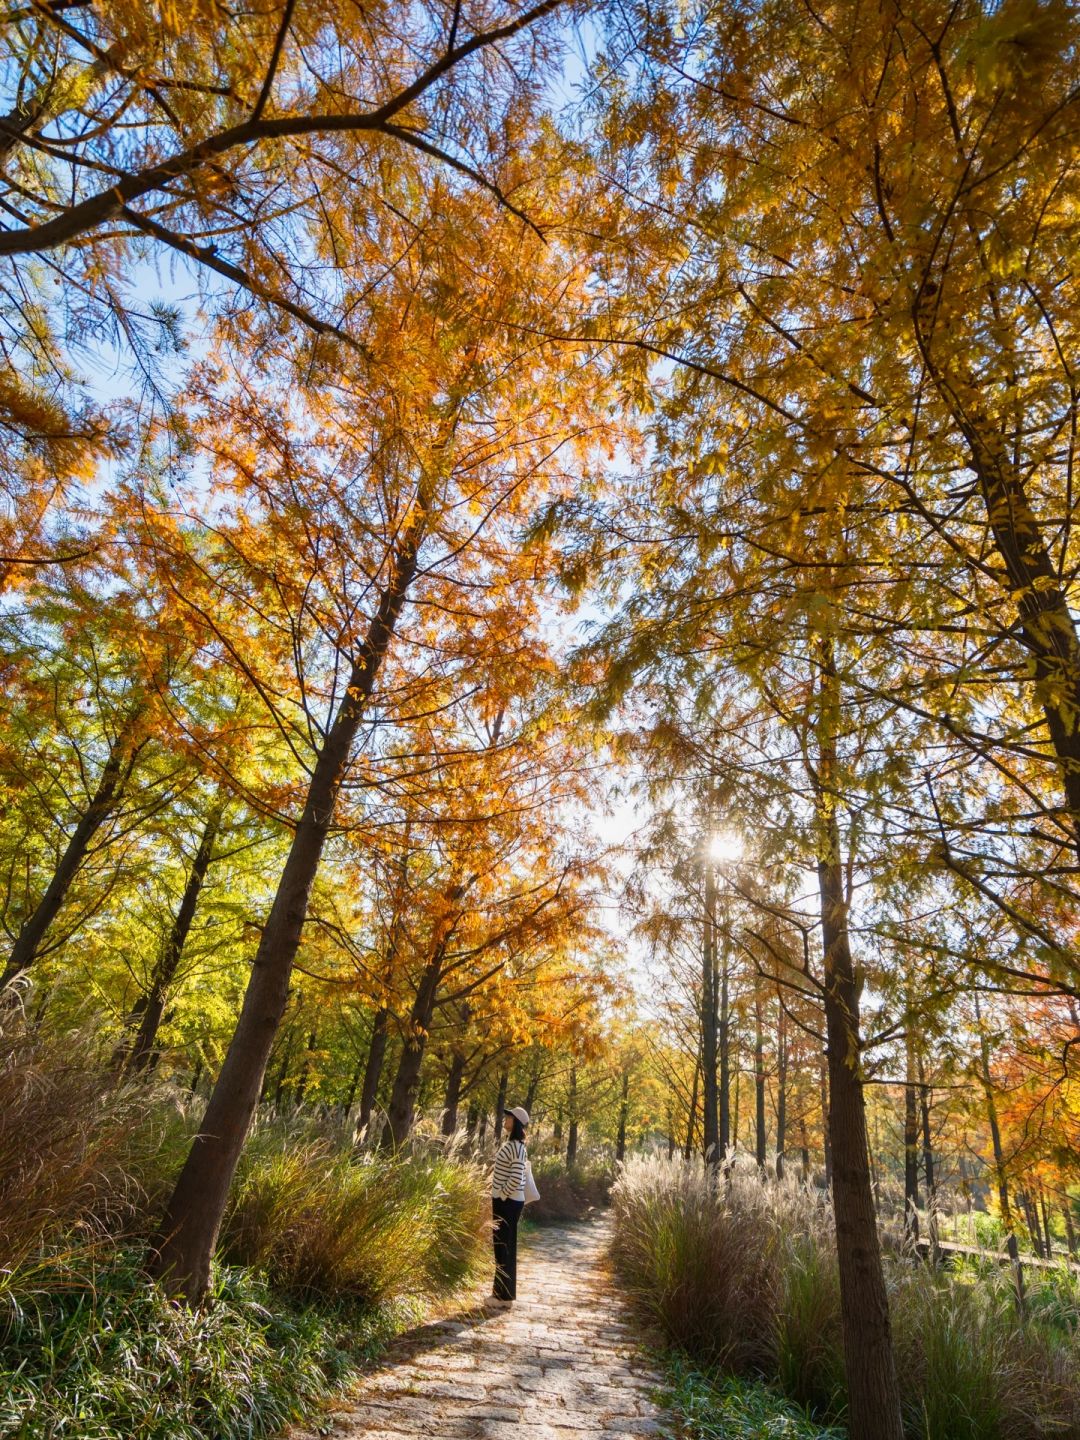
(508, 1201)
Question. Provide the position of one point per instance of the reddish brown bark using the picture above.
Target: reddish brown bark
(189, 1227)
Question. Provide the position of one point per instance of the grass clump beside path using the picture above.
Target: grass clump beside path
(324, 1254)
(741, 1276)
(717, 1407)
(107, 1355)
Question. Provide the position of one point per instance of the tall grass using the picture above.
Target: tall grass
(71, 1144)
(324, 1222)
(323, 1252)
(742, 1275)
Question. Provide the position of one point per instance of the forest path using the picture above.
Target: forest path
(561, 1363)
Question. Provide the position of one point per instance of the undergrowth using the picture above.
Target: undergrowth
(568, 1193)
(324, 1253)
(719, 1407)
(108, 1355)
(742, 1277)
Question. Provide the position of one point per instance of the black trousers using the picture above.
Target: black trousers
(506, 1214)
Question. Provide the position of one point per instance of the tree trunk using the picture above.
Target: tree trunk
(911, 1145)
(873, 1392)
(110, 787)
(874, 1186)
(737, 1067)
(192, 1219)
(725, 1056)
(572, 1117)
(999, 1163)
(500, 1105)
(152, 1006)
(399, 1111)
(41, 1007)
(1070, 1228)
(373, 1069)
(1034, 584)
(353, 1086)
(453, 1095)
(709, 1111)
(826, 1145)
(928, 1163)
(624, 1115)
(761, 1138)
(1031, 1220)
(1047, 625)
(1047, 1232)
(691, 1123)
(300, 1088)
(283, 1070)
(781, 1090)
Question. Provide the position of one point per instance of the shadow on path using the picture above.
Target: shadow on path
(562, 1363)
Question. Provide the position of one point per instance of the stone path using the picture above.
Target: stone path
(562, 1363)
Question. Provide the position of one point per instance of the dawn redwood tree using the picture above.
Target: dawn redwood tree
(906, 306)
(358, 499)
(498, 886)
(216, 138)
(137, 1052)
(873, 1391)
(83, 709)
(741, 646)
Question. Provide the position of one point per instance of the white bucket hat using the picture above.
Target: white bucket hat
(518, 1113)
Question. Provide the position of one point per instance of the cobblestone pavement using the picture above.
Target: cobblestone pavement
(561, 1363)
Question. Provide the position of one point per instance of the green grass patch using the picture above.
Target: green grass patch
(719, 1407)
(109, 1356)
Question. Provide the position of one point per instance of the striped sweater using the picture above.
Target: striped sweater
(509, 1179)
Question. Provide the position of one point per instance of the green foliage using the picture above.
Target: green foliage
(109, 1356)
(716, 1407)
